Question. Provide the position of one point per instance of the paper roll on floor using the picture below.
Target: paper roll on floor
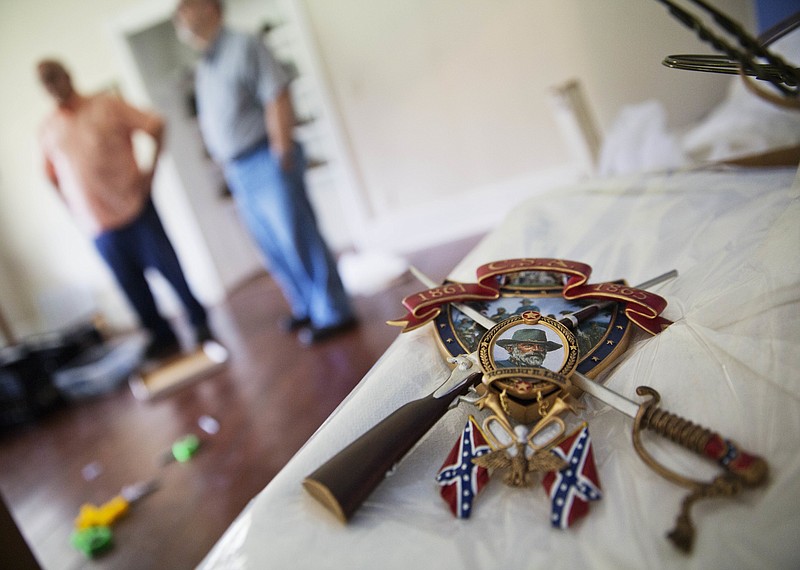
(178, 372)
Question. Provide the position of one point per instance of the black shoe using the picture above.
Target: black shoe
(161, 349)
(312, 335)
(203, 334)
(291, 324)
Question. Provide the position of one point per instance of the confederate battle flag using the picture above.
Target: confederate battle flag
(461, 480)
(573, 487)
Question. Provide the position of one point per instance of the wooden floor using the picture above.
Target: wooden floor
(270, 397)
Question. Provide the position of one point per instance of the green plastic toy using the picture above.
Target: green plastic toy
(185, 448)
(92, 540)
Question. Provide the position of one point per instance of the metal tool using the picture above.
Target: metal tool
(751, 58)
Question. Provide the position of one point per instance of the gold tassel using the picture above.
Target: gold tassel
(682, 536)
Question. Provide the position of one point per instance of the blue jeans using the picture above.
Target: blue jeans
(130, 250)
(275, 208)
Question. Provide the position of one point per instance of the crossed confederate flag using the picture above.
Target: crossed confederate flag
(573, 487)
(461, 480)
(570, 489)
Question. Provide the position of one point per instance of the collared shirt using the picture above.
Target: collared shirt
(91, 151)
(234, 81)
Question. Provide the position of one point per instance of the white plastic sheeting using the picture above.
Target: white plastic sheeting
(730, 361)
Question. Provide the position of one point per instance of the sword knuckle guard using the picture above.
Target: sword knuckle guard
(752, 470)
(742, 469)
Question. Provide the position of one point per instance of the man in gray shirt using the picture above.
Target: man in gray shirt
(246, 119)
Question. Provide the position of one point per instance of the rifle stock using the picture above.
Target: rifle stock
(349, 477)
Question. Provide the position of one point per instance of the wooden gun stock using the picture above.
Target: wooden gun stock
(347, 479)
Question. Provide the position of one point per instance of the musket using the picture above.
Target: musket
(349, 477)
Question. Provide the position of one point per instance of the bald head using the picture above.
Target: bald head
(56, 80)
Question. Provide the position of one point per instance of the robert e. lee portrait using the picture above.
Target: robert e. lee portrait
(531, 346)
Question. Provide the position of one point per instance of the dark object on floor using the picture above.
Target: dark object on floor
(162, 349)
(313, 335)
(27, 390)
(292, 324)
(203, 334)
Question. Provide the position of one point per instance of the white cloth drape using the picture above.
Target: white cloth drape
(730, 361)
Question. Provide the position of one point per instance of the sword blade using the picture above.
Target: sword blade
(605, 395)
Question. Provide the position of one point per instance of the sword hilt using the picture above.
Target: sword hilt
(743, 469)
(751, 469)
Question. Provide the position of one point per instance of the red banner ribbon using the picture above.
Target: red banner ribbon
(641, 307)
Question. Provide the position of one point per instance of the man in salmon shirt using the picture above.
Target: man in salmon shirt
(88, 156)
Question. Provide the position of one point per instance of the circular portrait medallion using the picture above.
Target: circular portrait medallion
(529, 340)
(528, 357)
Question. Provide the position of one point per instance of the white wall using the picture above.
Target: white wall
(449, 99)
(441, 103)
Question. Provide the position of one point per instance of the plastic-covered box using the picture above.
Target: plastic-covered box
(100, 369)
